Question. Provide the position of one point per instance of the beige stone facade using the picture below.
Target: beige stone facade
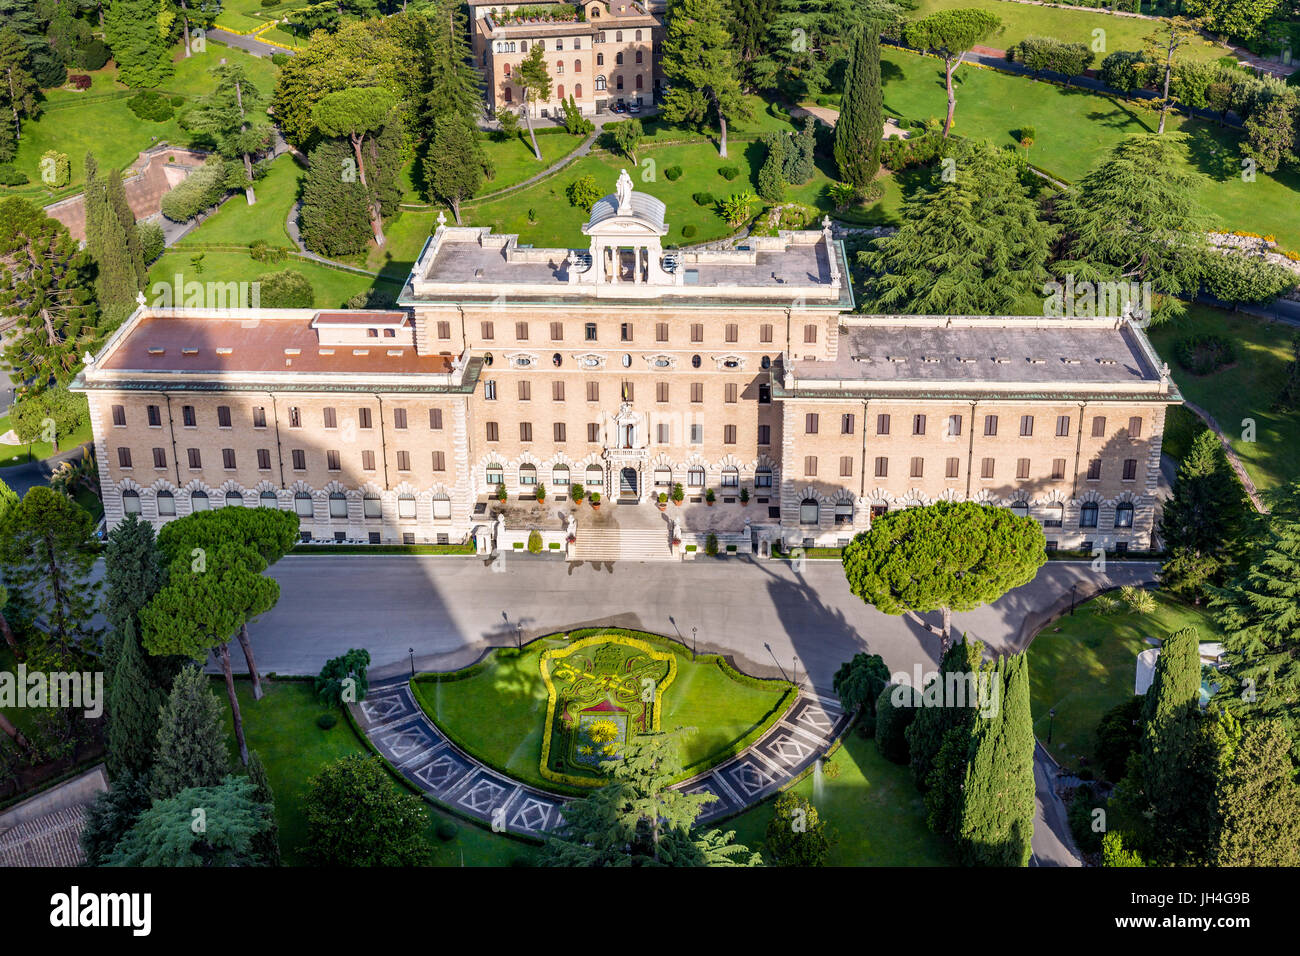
(600, 53)
(629, 369)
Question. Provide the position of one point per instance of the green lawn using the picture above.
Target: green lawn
(872, 804)
(513, 161)
(18, 454)
(333, 287)
(1085, 664)
(281, 727)
(499, 713)
(1244, 390)
(237, 223)
(1074, 26)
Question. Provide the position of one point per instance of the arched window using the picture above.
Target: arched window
(371, 506)
(600, 59)
(441, 507)
(509, 95)
(199, 501)
(267, 499)
(506, 71)
(618, 36)
(1088, 515)
(639, 79)
(495, 475)
(595, 476)
(763, 478)
(577, 91)
(663, 476)
(638, 36)
(618, 59)
(527, 474)
(730, 478)
(560, 477)
(559, 90)
(638, 56)
(1054, 515)
(844, 512)
(600, 83)
(302, 504)
(234, 498)
(1020, 509)
(406, 506)
(808, 511)
(131, 502)
(166, 504)
(1124, 514)
(523, 46)
(559, 68)
(577, 66)
(338, 504)
(542, 44)
(695, 477)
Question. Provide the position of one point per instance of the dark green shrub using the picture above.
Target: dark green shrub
(1203, 354)
(711, 545)
(343, 679)
(286, 289)
(729, 172)
(892, 723)
(704, 199)
(202, 189)
(279, 59)
(688, 231)
(1117, 736)
(446, 831)
(12, 177)
(1080, 817)
(326, 721)
(152, 241)
(150, 106)
(673, 173)
(534, 542)
(93, 55)
(177, 101)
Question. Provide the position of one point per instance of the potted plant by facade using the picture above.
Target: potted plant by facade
(594, 498)
(744, 496)
(708, 497)
(663, 500)
(678, 493)
(577, 493)
(541, 493)
(501, 492)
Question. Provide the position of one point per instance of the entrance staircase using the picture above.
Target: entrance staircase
(630, 544)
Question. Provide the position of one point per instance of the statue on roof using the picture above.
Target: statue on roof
(623, 192)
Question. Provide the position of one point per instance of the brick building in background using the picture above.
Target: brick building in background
(629, 369)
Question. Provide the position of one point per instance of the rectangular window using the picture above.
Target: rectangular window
(1026, 426)
(1099, 426)
(295, 417)
(439, 461)
(625, 332)
(697, 332)
(1058, 469)
(259, 417)
(661, 433)
(697, 434)
(367, 461)
(558, 432)
(228, 459)
(952, 467)
(764, 394)
(661, 391)
(765, 434)
(882, 424)
(733, 332)
(188, 420)
(491, 431)
(809, 335)
(521, 331)
(557, 331)
(810, 466)
(124, 458)
(488, 331)
(697, 393)
(403, 461)
(593, 391)
(557, 391)
(1062, 426)
(363, 418)
(846, 466)
(882, 467)
(399, 418)
(264, 459)
(810, 423)
(846, 424)
(331, 418)
(1094, 469)
(589, 332)
(661, 331)
(1135, 427)
(489, 390)
(332, 461)
(160, 458)
(119, 415)
(1022, 468)
(765, 333)
(728, 434)
(299, 458)
(628, 391)
(990, 425)
(918, 424)
(155, 416)
(195, 461)
(918, 467)
(986, 468)
(1130, 469)
(444, 331)
(435, 419)
(593, 432)
(954, 426)
(731, 393)
(525, 431)
(525, 391)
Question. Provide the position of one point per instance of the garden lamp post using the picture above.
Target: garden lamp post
(1051, 719)
(695, 647)
(411, 651)
(519, 637)
(1073, 588)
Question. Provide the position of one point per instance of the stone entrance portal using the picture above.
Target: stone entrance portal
(627, 483)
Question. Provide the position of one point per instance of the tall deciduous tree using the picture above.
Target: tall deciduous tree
(357, 115)
(141, 34)
(861, 124)
(699, 64)
(974, 245)
(165, 834)
(234, 115)
(1271, 130)
(796, 835)
(951, 34)
(949, 556)
(45, 282)
(1259, 802)
(266, 846)
(1170, 36)
(191, 744)
(453, 167)
(534, 78)
(356, 817)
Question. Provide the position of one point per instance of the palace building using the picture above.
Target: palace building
(629, 368)
(603, 53)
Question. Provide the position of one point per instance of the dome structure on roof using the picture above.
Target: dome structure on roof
(627, 211)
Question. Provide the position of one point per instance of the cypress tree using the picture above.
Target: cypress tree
(926, 734)
(1259, 802)
(191, 748)
(133, 706)
(800, 162)
(771, 181)
(335, 213)
(106, 241)
(131, 578)
(861, 125)
(454, 83)
(126, 218)
(996, 819)
(266, 845)
(453, 167)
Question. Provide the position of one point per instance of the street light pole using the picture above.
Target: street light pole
(411, 651)
(519, 636)
(1051, 719)
(1073, 587)
(695, 647)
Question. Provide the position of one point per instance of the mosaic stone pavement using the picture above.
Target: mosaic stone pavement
(409, 741)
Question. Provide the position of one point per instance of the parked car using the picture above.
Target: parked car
(618, 108)
(633, 108)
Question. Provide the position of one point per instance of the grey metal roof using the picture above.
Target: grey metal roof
(644, 206)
